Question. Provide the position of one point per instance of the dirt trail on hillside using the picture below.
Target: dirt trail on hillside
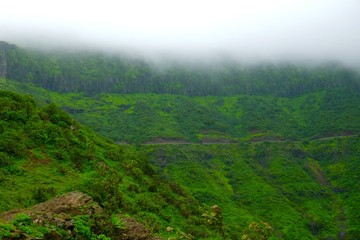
(232, 142)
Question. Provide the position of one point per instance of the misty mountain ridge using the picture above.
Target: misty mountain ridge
(135, 100)
(273, 148)
(96, 72)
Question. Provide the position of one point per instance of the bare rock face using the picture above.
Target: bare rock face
(74, 203)
(68, 204)
(60, 210)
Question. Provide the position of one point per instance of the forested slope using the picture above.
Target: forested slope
(135, 100)
(120, 73)
(45, 153)
(140, 118)
(304, 190)
(295, 190)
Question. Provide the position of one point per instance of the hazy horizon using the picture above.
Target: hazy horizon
(257, 30)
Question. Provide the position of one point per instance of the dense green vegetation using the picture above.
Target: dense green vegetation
(232, 151)
(95, 73)
(136, 101)
(306, 190)
(44, 152)
(139, 118)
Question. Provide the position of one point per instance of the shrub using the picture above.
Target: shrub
(82, 227)
(5, 159)
(258, 231)
(41, 194)
(214, 218)
(105, 190)
(5, 230)
(12, 143)
(22, 219)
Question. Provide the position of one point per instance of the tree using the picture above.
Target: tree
(215, 219)
(258, 231)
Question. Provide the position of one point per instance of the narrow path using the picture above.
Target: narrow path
(233, 142)
(329, 138)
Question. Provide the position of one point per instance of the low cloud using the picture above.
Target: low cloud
(259, 29)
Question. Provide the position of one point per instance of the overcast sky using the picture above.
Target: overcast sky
(269, 29)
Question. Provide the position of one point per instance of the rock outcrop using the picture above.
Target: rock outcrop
(60, 212)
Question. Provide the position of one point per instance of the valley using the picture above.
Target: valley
(225, 151)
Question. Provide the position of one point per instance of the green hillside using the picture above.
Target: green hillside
(44, 153)
(139, 118)
(135, 100)
(304, 190)
(216, 150)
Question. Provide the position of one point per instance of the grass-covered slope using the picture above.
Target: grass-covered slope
(304, 190)
(139, 118)
(45, 153)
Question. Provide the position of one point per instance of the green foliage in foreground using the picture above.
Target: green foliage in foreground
(44, 153)
(139, 118)
(306, 190)
(85, 227)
